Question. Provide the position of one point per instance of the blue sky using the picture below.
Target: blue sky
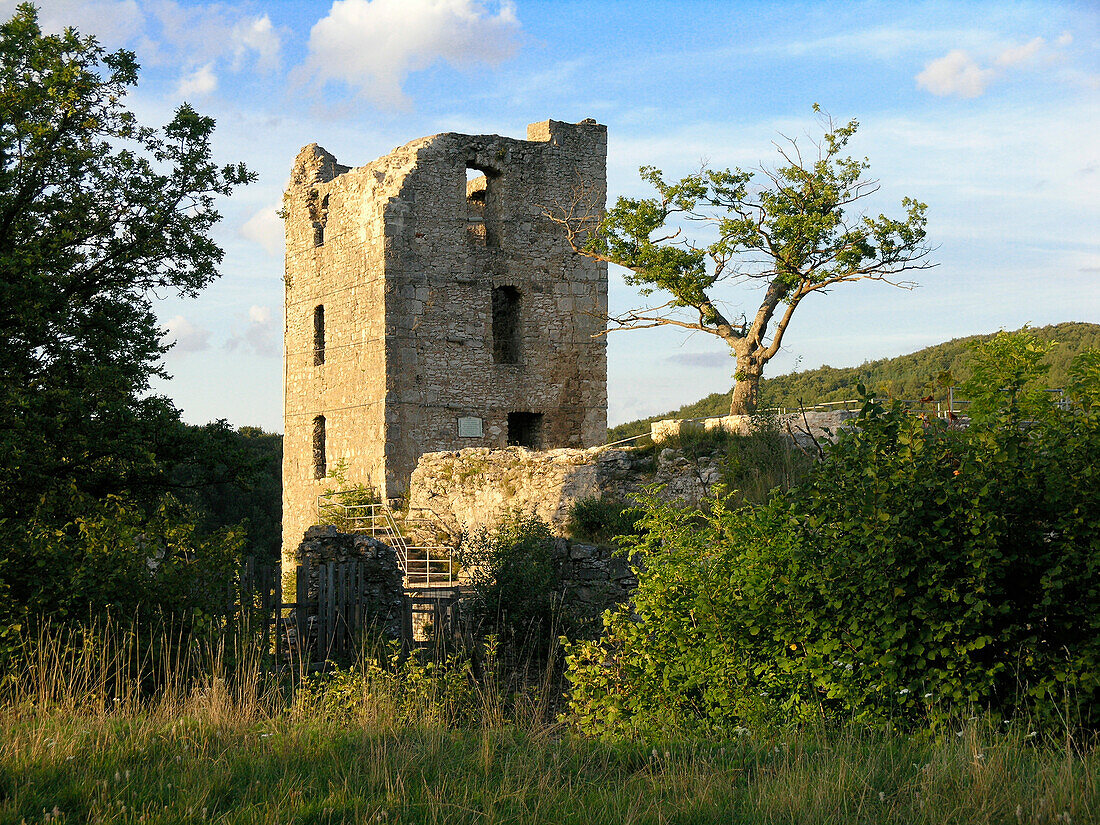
(987, 112)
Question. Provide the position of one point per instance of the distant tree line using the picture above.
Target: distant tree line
(917, 375)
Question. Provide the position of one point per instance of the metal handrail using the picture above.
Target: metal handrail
(378, 521)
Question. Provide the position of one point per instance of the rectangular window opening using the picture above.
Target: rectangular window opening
(525, 430)
(483, 206)
(320, 463)
(319, 334)
(506, 325)
(319, 212)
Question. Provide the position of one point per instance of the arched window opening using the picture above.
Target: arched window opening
(506, 325)
(319, 334)
(320, 464)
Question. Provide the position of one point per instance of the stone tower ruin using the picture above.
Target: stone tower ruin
(431, 305)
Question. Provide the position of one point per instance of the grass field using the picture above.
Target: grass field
(394, 747)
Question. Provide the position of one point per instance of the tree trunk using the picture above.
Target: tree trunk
(746, 386)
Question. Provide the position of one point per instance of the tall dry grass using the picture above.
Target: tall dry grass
(108, 727)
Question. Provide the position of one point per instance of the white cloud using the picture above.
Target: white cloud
(261, 335)
(1016, 55)
(259, 36)
(372, 45)
(200, 82)
(113, 21)
(265, 227)
(955, 73)
(185, 336)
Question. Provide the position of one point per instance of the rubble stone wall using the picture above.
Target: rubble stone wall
(476, 487)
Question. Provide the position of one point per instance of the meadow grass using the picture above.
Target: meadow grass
(228, 745)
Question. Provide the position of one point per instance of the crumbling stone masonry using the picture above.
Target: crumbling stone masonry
(430, 305)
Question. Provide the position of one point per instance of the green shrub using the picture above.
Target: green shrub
(514, 585)
(117, 558)
(919, 572)
(393, 689)
(602, 519)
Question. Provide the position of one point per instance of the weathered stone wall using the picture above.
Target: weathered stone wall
(382, 583)
(476, 487)
(404, 255)
(594, 578)
(802, 426)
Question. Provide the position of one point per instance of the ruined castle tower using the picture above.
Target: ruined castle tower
(430, 305)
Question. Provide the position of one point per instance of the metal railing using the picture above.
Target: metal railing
(424, 564)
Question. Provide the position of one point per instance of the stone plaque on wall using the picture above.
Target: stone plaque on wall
(470, 427)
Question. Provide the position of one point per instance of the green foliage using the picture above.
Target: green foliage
(602, 519)
(342, 501)
(913, 376)
(410, 690)
(96, 212)
(120, 559)
(790, 228)
(919, 572)
(514, 585)
(231, 479)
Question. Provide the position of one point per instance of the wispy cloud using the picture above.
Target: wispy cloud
(956, 73)
(113, 21)
(183, 336)
(959, 74)
(266, 228)
(256, 36)
(261, 336)
(202, 81)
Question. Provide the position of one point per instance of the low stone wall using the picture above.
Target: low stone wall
(474, 488)
(594, 579)
(801, 426)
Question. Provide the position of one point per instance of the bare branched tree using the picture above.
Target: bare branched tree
(795, 229)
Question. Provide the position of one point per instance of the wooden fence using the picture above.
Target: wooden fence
(309, 632)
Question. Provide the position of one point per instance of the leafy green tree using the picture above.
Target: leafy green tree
(96, 212)
(795, 234)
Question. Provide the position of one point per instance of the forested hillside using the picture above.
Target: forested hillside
(906, 376)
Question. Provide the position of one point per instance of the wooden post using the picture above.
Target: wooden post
(278, 584)
(301, 609)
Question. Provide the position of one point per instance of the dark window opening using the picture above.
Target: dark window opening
(483, 206)
(320, 465)
(506, 325)
(525, 430)
(319, 213)
(319, 335)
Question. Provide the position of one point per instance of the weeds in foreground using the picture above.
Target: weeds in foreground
(423, 741)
